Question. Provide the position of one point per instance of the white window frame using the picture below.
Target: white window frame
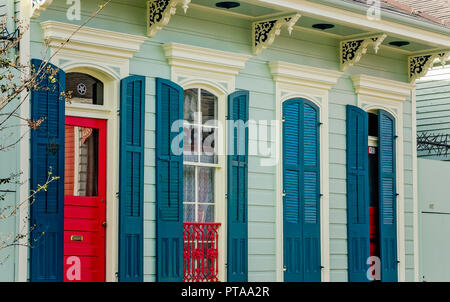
(218, 167)
(220, 173)
(313, 84)
(215, 71)
(376, 93)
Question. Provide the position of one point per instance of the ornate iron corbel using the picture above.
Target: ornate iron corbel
(159, 13)
(264, 32)
(419, 65)
(351, 51)
(39, 5)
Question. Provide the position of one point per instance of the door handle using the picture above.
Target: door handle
(104, 224)
(284, 268)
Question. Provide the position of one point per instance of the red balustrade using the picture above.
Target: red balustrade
(200, 252)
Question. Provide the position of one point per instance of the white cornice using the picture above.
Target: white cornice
(295, 74)
(206, 59)
(381, 88)
(92, 40)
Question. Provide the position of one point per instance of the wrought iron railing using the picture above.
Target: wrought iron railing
(200, 252)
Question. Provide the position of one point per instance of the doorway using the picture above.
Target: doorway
(84, 200)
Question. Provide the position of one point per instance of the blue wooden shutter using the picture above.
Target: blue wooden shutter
(169, 181)
(131, 179)
(237, 247)
(301, 191)
(47, 153)
(357, 194)
(388, 196)
(310, 182)
(292, 226)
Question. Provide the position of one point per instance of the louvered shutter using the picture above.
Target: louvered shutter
(47, 153)
(131, 179)
(311, 191)
(238, 112)
(388, 196)
(357, 194)
(292, 226)
(301, 191)
(169, 181)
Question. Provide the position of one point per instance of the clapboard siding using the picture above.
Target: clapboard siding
(433, 106)
(223, 32)
(9, 163)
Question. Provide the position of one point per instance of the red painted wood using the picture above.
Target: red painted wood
(69, 162)
(374, 231)
(84, 216)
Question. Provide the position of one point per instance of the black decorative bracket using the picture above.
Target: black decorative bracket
(159, 13)
(264, 32)
(419, 65)
(352, 50)
(39, 5)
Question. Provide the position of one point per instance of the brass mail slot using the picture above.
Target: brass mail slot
(76, 238)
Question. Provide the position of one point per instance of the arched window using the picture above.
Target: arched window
(200, 156)
(84, 88)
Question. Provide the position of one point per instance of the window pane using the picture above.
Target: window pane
(209, 107)
(188, 184)
(190, 104)
(81, 161)
(205, 185)
(209, 152)
(84, 88)
(190, 143)
(205, 213)
(189, 213)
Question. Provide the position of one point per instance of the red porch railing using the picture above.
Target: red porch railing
(200, 252)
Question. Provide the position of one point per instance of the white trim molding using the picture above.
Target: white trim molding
(375, 87)
(159, 13)
(294, 74)
(215, 71)
(88, 44)
(192, 63)
(352, 50)
(39, 5)
(419, 65)
(106, 56)
(264, 32)
(299, 81)
(108, 112)
(378, 93)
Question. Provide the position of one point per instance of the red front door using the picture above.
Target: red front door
(85, 200)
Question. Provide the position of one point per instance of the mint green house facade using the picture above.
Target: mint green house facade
(330, 60)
